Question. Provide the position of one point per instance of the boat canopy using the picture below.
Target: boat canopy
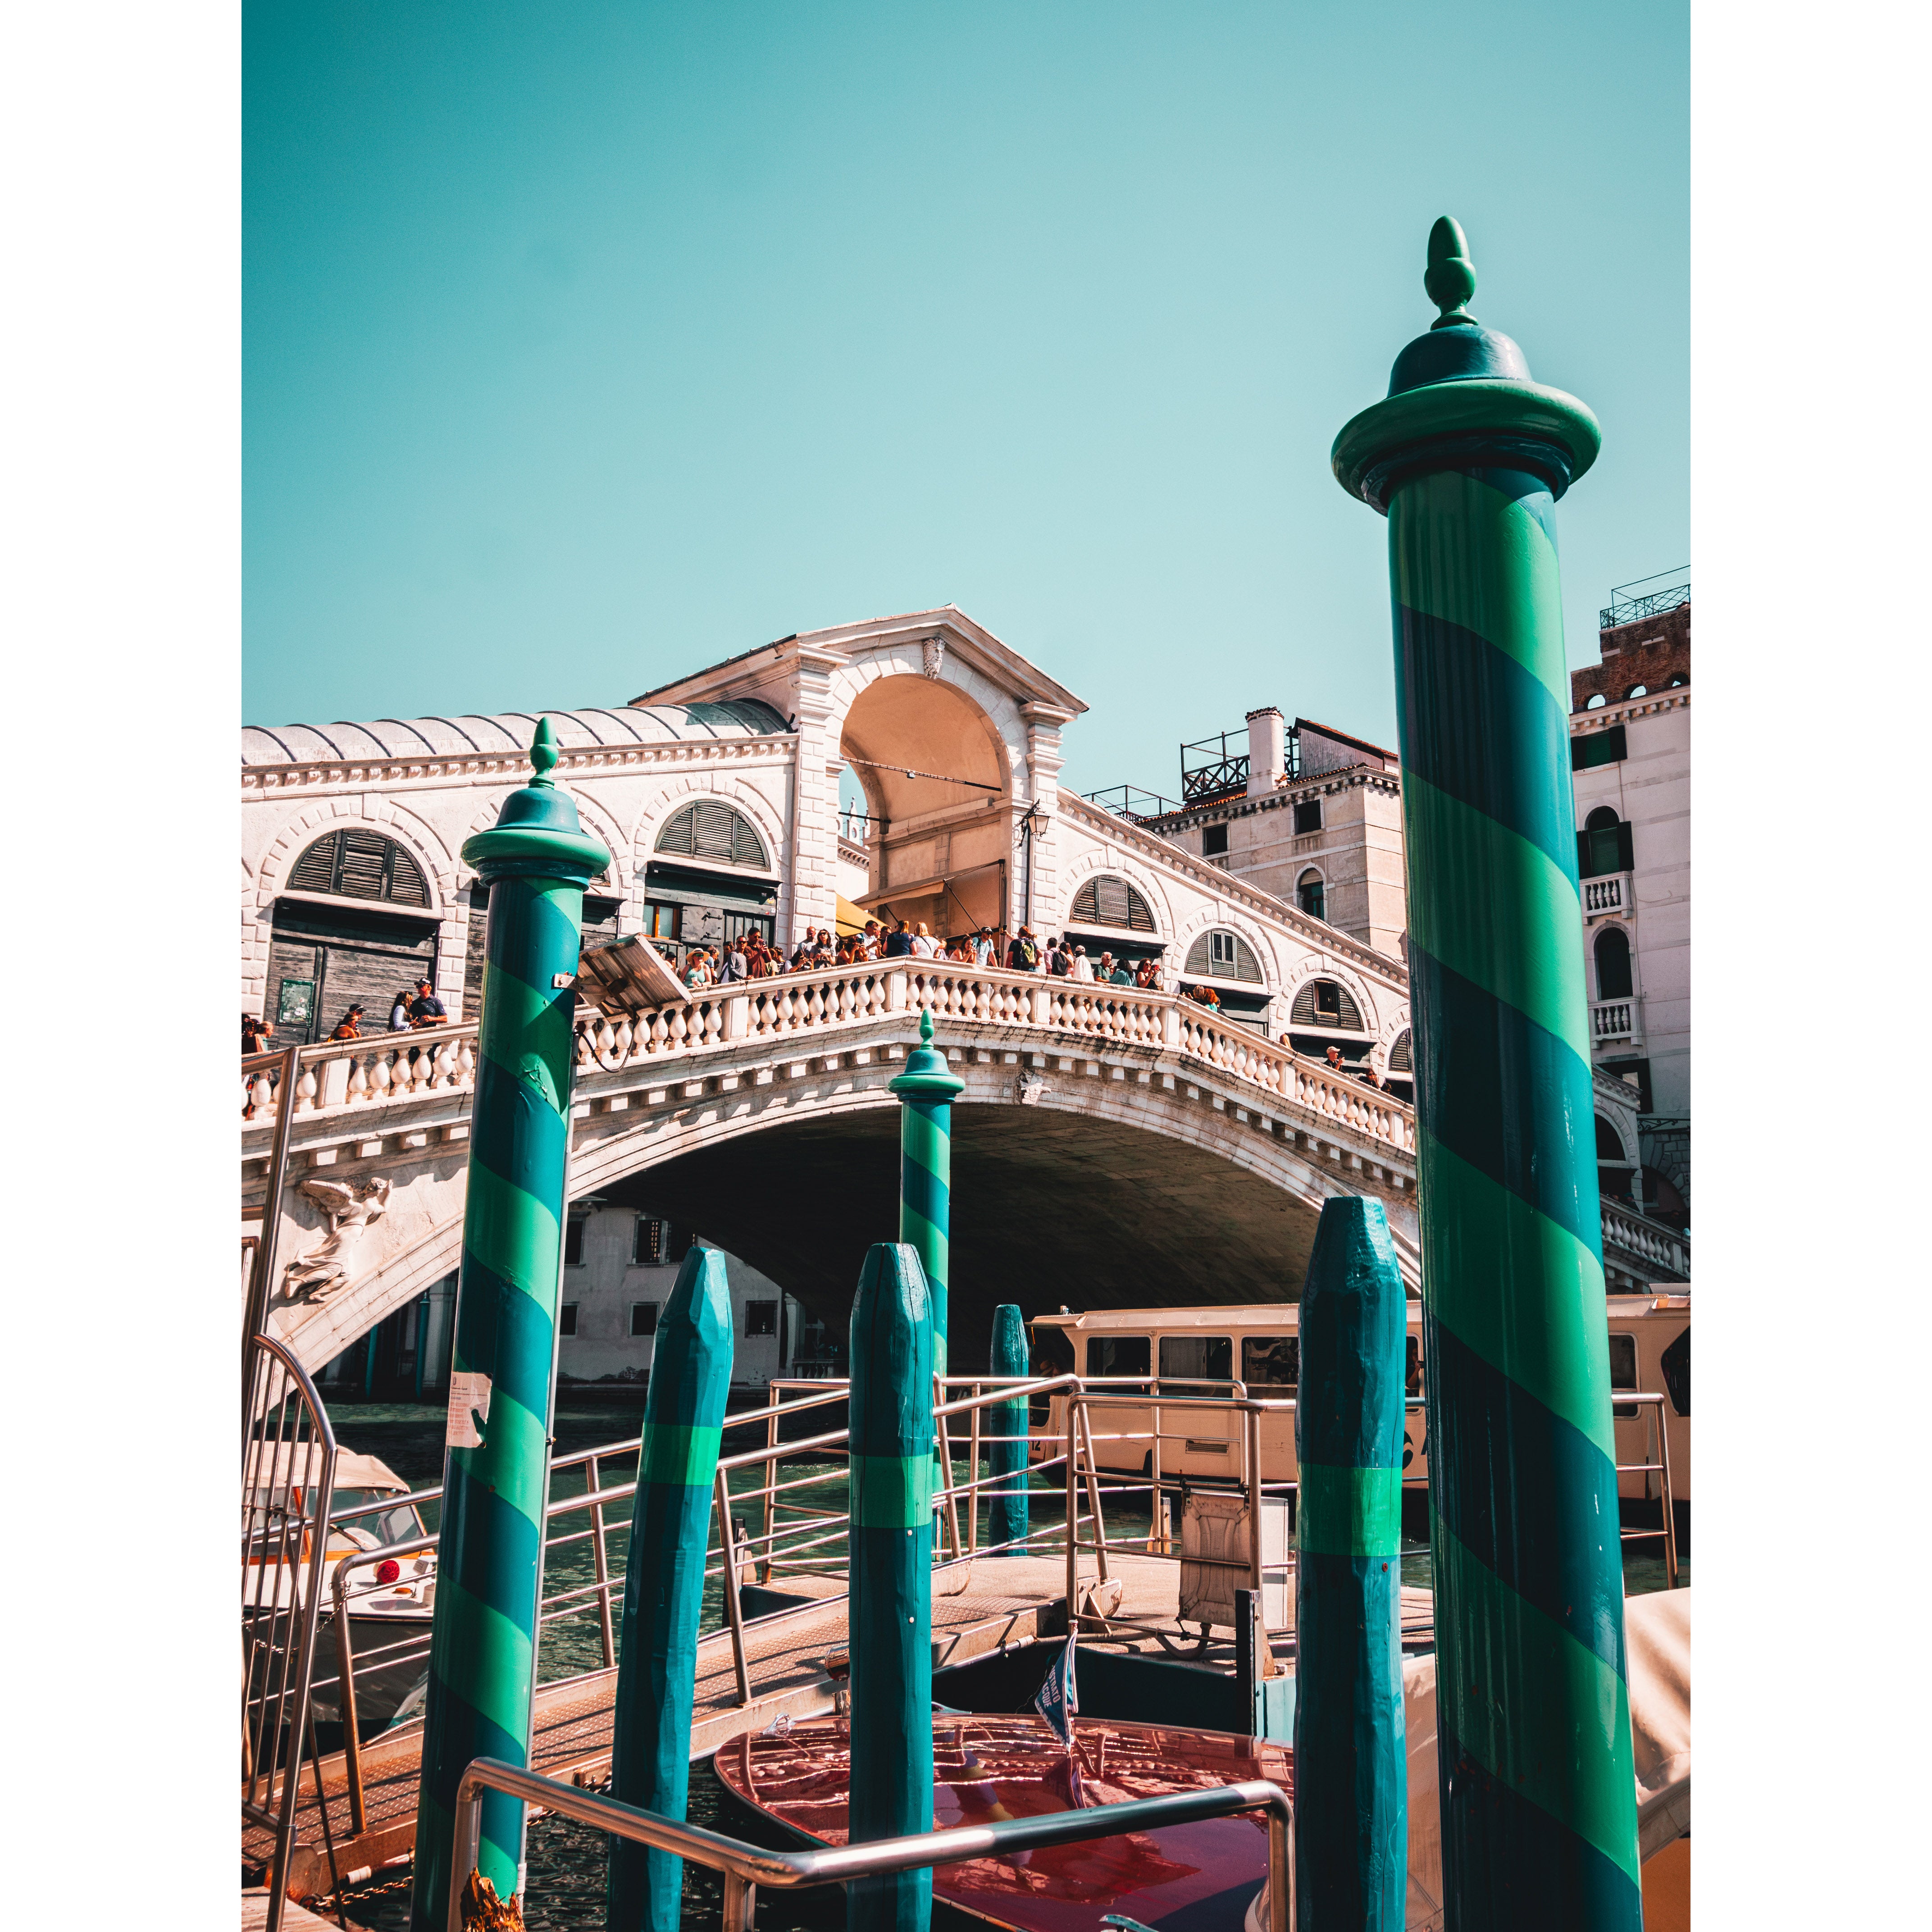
(302, 1462)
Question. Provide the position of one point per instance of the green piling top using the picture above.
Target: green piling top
(927, 1076)
(1460, 396)
(537, 833)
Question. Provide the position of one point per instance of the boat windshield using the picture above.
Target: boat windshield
(377, 1520)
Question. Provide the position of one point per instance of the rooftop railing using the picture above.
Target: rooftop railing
(1646, 597)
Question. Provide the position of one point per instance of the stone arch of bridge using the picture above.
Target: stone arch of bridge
(1096, 1193)
(935, 748)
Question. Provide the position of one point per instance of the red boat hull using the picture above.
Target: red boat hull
(1185, 1878)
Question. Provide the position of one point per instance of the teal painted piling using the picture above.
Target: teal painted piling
(1466, 458)
(1351, 1762)
(925, 1090)
(483, 1643)
(1006, 1433)
(891, 1580)
(664, 1584)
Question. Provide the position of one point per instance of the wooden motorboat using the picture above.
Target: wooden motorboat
(993, 1766)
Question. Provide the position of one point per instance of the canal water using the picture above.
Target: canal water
(566, 1861)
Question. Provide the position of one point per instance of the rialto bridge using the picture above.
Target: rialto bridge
(1110, 1146)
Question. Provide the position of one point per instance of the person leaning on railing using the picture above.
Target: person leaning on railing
(255, 1034)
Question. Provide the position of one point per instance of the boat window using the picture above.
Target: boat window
(1676, 1364)
(1271, 1361)
(1117, 1355)
(1207, 1358)
(1623, 1373)
(379, 1518)
(1412, 1381)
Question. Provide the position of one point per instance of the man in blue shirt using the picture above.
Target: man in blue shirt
(426, 1009)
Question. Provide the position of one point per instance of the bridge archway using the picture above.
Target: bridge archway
(1102, 1189)
(938, 782)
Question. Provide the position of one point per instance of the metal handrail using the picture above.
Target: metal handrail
(281, 1642)
(747, 1867)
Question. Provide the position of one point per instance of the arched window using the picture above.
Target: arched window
(1104, 900)
(353, 864)
(711, 829)
(1222, 955)
(1638, 691)
(1402, 1054)
(1679, 679)
(1613, 965)
(1324, 1003)
(1604, 845)
(1595, 701)
(1309, 896)
(1609, 1142)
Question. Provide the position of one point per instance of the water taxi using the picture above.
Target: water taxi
(1254, 1350)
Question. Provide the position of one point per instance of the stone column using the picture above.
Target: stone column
(1466, 458)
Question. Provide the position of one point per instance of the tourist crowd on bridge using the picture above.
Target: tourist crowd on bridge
(749, 957)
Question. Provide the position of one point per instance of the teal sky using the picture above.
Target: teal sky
(587, 345)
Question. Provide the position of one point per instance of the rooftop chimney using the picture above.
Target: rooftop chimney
(1267, 749)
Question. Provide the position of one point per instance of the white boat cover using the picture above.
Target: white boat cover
(1657, 1639)
(272, 1471)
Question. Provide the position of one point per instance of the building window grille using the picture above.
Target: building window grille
(711, 829)
(1214, 841)
(353, 864)
(657, 1243)
(643, 1318)
(573, 1242)
(1308, 815)
(1104, 900)
(1324, 1003)
(1613, 965)
(761, 1317)
(566, 1319)
(1309, 896)
(1222, 955)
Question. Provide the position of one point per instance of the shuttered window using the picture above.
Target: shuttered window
(1592, 748)
(1323, 1003)
(1105, 900)
(1222, 955)
(357, 864)
(1602, 848)
(710, 829)
(1400, 1054)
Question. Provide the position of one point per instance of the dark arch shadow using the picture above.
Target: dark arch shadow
(1048, 1208)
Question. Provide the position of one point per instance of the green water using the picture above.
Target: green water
(567, 1861)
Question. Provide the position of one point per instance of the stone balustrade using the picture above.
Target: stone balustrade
(1666, 1253)
(806, 1006)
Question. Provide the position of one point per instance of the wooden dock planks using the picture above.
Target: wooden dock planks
(989, 1604)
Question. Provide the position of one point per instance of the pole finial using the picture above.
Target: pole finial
(544, 753)
(1450, 276)
(925, 1028)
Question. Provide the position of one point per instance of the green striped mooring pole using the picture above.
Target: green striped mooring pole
(536, 861)
(1466, 458)
(663, 1585)
(926, 1088)
(891, 1580)
(1007, 1438)
(1350, 1750)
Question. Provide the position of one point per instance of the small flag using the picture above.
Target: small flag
(1058, 1701)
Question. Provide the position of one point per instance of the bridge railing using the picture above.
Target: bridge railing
(336, 1076)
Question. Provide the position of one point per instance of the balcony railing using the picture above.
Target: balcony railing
(1609, 891)
(1653, 595)
(1130, 803)
(1615, 1020)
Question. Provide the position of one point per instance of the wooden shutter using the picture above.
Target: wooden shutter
(1105, 900)
(315, 870)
